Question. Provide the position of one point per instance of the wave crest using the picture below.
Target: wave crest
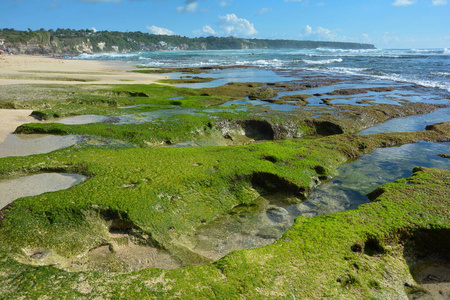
(322, 62)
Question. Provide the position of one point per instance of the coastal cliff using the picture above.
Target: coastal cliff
(73, 42)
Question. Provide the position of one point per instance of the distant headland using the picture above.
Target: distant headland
(74, 42)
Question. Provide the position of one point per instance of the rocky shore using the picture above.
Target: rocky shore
(166, 164)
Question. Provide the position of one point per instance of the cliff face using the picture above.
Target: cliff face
(74, 42)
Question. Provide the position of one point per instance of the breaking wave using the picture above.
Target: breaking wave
(443, 74)
(109, 56)
(417, 81)
(322, 62)
(261, 63)
(444, 51)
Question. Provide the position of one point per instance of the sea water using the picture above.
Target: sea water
(422, 67)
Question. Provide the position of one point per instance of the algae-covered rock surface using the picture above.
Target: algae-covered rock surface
(170, 169)
(365, 253)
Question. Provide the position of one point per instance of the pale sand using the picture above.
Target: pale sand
(24, 69)
(10, 119)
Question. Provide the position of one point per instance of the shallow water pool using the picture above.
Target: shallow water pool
(34, 185)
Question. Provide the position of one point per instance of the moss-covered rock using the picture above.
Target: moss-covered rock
(365, 246)
(127, 232)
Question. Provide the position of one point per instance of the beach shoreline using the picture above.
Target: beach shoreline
(26, 69)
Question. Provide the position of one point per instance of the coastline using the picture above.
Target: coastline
(26, 69)
(150, 194)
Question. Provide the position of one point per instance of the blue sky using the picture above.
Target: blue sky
(385, 23)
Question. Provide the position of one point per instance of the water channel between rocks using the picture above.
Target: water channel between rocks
(270, 216)
(266, 220)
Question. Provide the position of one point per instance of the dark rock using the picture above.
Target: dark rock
(278, 214)
(262, 93)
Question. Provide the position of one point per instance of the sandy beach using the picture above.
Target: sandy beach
(24, 69)
(10, 119)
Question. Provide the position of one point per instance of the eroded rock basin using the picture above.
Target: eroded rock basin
(246, 226)
(427, 255)
(121, 254)
(267, 219)
(127, 248)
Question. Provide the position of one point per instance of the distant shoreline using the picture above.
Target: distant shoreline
(75, 42)
(30, 69)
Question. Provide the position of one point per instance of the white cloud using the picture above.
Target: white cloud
(320, 33)
(160, 31)
(439, 2)
(189, 6)
(225, 3)
(262, 11)
(403, 2)
(208, 29)
(94, 29)
(232, 25)
(205, 31)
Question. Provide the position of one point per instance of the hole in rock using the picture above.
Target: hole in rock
(124, 247)
(267, 183)
(327, 127)
(372, 247)
(427, 253)
(270, 158)
(356, 248)
(258, 130)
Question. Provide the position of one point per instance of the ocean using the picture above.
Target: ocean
(428, 68)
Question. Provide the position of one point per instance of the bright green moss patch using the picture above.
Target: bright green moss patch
(128, 231)
(365, 247)
(176, 129)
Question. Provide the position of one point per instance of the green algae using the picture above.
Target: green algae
(159, 196)
(365, 246)
(196, 183)
(219, 124)
(176, 129)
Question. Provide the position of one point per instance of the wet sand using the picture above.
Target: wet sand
(35, 185)
(29, 144)
(10, 119)
(24, 69)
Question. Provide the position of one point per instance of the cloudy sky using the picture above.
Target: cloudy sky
(385, 23)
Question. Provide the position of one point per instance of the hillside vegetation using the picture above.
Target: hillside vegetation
(68, 41)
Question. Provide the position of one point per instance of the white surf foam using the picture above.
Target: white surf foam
(322, 62)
